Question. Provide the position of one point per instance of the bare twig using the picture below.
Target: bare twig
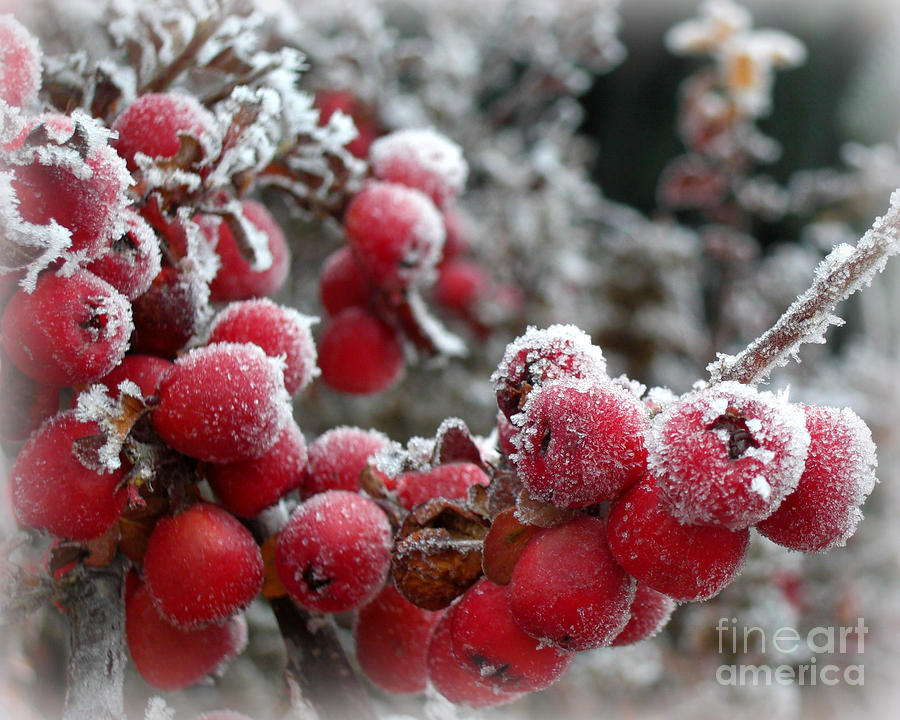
(844, 271)
(94, 605)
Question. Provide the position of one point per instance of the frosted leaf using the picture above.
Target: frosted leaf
(727, 455)
(391, 460)
(251, 133)
(718, 20)
(115, 417)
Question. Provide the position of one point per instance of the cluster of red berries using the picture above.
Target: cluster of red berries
(395, 232)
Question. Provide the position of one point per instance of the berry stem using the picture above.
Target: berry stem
(96, 671)
(844, 271)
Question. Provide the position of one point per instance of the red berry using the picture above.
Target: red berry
(454, 679)
(359, 354)
(69, 331)
(335, 552)
(24, 403)
(237, 279)
(460, 284)
(342, 282)
(649, 612)
(153, 122)
(131, 261)
(448, 481)
(172, 658)
(391, 637)
(86, 201)
(685, 562)
(505, 432)
(222, 403)
(338, 456)
(52, 490)
(487, 640)
(727, 455)
(567, 589)
(538, 356)
(201, 566)
(145, 371)
(581, 442)
(20, 63)
(420, 159)
(247, 488)
(278, 330)
(168, 314)
(396, 232)
(824, 510)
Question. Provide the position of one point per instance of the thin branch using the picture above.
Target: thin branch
(96, 672)
(317, 663)
(844, 271)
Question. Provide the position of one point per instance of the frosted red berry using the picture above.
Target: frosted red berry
(20, 63)
(421, 159)
(396, 232)
(580, 442)
(201, 566)
(70, 330)
(338, 456)
(153, 122)
(649, 612)
(279, 330)
(342, 282)
(454, 679)
(131, 261)
(359, 354)
(248, 487)
(839, 475)
(447, 481)
(52, 490)
(538, 356)
(145, 371)
(236, 278)
(568, 590)
(172, 658)
(85, 201)
(334, 553)
(222, 403)
(391, 637)
(727, 455)
(685, 562)
(167, 314)
(487, 640)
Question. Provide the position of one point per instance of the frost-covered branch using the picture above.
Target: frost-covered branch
(845, 270)
(96, 671)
